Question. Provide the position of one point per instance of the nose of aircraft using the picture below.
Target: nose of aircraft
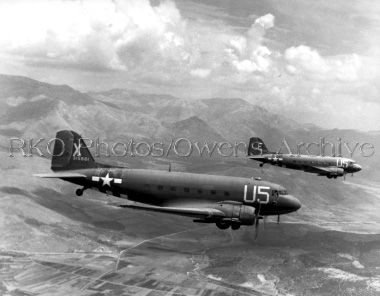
(288, 203)
(356, 167)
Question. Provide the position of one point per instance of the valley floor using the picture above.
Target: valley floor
(287, 259)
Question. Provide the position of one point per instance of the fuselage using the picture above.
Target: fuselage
(323, 165)
(162, 188)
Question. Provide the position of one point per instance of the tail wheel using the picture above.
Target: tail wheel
(222, 225)
(79, 192)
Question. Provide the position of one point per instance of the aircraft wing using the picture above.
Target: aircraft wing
(182, 211)
(66, 175)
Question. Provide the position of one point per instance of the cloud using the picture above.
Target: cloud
(258, 61)
(159, 46)
(201, 73)
(305, 60)
(266, 21)
(247, 53)
(151, 42)
(94, 35)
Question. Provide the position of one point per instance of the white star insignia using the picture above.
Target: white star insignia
(107, 180)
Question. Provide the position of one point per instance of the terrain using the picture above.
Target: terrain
(54, 243)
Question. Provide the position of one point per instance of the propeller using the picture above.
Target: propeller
(256, 228)
(257, 217)
(278, 212)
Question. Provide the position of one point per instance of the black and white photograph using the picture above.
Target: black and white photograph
(189, 147)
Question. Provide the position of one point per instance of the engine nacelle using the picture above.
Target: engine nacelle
(245, 215)
(336, 172)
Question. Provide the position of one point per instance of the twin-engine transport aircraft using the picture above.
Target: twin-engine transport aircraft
(329, 166)
(225, 201)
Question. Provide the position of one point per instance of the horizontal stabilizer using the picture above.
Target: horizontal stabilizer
(258, 157)
(61, 175)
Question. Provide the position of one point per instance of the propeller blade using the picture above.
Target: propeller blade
(278, 219)
(256, 228)
(259, 209)
(257, 219)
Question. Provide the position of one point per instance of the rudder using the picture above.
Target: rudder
(71, 152)
(256, 147)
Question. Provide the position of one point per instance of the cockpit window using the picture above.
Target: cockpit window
(275, 195)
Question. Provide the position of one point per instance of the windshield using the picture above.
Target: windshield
(349, 163)
(275, 195)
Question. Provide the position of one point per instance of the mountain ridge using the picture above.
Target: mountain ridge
(36, 109)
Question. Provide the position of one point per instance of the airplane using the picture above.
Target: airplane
(329, 166)
(223, 200)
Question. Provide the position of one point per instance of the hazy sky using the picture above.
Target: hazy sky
(314, 61)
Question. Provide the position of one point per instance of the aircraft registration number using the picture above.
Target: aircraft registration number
(256, 192)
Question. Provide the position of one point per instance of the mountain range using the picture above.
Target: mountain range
(30, 108)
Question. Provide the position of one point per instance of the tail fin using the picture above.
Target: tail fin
(71, 152)
(256, 147)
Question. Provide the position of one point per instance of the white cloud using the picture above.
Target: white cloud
(305, 60)
(155, 48)
(91, 34)
(145, 41)
(201, 73)
(259, 60)
(266, 21)
(247, 53)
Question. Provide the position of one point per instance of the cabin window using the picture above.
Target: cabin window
(186, 189)
(160, 187)
(226, 193)
(199, 191)
(213, 192)
(173, 188)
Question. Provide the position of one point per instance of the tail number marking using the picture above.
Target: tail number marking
(77, 149)
(258, 147)
(260, 193)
